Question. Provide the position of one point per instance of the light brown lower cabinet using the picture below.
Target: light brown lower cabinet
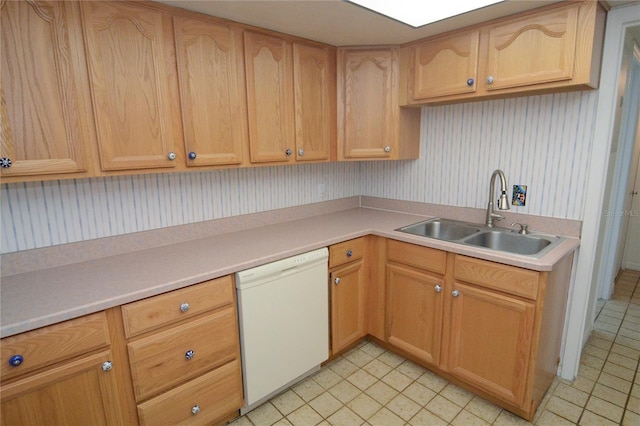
(491, 328)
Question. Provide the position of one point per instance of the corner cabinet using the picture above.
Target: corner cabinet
(131, 62)
(212, 93)
(45, 120)
(371, 124)
(348, 293)
(61, 374)
(562, 42)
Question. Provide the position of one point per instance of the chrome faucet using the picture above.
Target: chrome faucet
(503, 201)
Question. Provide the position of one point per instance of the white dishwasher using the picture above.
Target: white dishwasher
(284, 323)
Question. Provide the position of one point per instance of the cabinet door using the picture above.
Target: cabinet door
(414, 309)
(130, 58)
(490, 341)
(535, 49)
(314, 93)
(348, 305)
(212, 95)
(446, 66)
(269, 97)
(44, 119)
(79, 392)
(366, 99)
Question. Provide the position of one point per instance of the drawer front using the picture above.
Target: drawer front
(215, 394)
(345, 252)
(161, 361)
(168, 308)
(55, 343)
(417, 256)
(516, 281)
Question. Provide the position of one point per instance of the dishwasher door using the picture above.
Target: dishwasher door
(284, 323)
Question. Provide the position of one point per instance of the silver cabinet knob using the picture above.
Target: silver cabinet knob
(288, 152)
(438, 288)
(455, 293)
(5, 162)
(301, 152)
(387, 148)
(337, 281)
(107, 365)
(192, 155)
(195, 409)
(171, 156)
(470, 82)
(349, 253)
(490, 80)
(184, 307)
(189, 354)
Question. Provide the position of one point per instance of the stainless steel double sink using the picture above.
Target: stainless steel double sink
(471, 234)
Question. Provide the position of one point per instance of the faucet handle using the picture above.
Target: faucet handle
(524, 228)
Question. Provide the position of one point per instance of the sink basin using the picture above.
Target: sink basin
(470, 234)
(441, 229)
(510, 242)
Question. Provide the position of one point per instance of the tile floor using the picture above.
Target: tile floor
(371, 386)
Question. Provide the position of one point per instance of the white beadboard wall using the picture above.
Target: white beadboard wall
(543, 142)
(41, 214)
(540, 141)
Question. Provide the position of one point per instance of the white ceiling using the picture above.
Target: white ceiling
(340, 23)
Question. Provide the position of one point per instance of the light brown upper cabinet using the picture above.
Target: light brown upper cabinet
(270, 97)
(314, 78)
(44, 125)
(371, 125)
(212, 93)
(553, 49)
(290, 98)
(131, 63)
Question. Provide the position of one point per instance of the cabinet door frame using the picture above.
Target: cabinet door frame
(90, 364)
(155, 28)
(427, 321)
(352, 278)
(519, 342)
(195, 79)
(71, 83)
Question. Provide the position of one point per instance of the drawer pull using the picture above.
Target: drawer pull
(195, 410)
(349, 253)
(455, 293)
(107, 365)
(189, 354)
(184, 307)
(16, 360)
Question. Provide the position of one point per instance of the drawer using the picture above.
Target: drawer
(48, 345)
(417, 256)
(510, 279)
(345, 252)
(160, 361)
(216, 395)
(169, 308)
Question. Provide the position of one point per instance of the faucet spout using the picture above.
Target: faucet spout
(503, 201)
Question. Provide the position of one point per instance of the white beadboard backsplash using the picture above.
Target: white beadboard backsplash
(543, 142)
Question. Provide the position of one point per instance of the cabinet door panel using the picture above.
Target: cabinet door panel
(549, 41)
(368, 103)
(443, 67)
(75, 393)
(211, 90)
(414, 308)
(43, 126)
(348, 305)
(269, 97)
(130, 84)
(490, 341)
(313, 76)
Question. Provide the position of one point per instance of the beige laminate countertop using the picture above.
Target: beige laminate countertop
(35, 299)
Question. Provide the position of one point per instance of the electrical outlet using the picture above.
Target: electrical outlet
(322, 191)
